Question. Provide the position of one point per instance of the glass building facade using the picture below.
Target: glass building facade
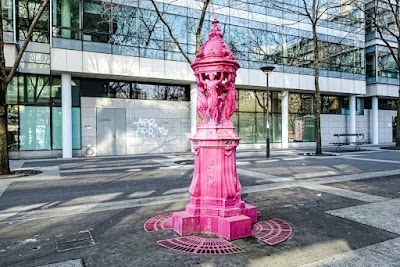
(136, 30)
(257, 33)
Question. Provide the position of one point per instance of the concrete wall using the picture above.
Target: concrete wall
(333, 124)
(385, 121)
(152, 126)
(340, 124)
(107, 66)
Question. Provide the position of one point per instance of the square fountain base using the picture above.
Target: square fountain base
(231, 228)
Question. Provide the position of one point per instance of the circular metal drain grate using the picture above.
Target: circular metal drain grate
(200, 245)
(159, 222)
(272, 232)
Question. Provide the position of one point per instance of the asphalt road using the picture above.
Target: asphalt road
(344, 210)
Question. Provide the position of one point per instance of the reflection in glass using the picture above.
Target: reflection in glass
(96, 19)
(12, 127)
(27, 10)
(120, 90)
(34, 128)
(56, 119)
(145, 91)
(7, 15)
(67, 17)
(36, 89)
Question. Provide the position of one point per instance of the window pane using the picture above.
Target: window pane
(67, 17)
(247, 127)
(76, 128)
(12, 91)
(12, 127)
(27, 10)
(35, 128)
(96, 18)
(57, 128)
(261, 127)
(36, 91)
(125, 26)
(331, 104)
(145, 91)
(120, 89)
(301, 128)
(56, 91)
(276, 130)
(247, 101)
(94, 87)
(7, 15)
(56, 123)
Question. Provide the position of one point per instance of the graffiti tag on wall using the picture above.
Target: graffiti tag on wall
(149, 128)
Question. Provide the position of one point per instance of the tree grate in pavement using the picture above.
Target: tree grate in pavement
(159, 222)
(74, 241)
(272, 232)
(200, 245)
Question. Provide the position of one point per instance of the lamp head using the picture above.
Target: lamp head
(267, 69)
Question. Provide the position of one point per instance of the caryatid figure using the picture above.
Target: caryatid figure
(215, 204)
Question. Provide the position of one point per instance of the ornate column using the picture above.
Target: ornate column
(215, 201)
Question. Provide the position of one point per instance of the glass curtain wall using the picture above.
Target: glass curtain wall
(133, 28)
(250, 116)
(26, 11)
(301, 118)
(340, 105)
(7, 18)
(34, 113)
(133, 90)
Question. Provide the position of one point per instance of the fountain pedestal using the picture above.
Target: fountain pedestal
(215, 205)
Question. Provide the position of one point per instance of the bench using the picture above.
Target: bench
(357, 143)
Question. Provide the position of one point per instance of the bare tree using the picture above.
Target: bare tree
(382, 16)
(315, 11)
(5, 79)
(173, 34)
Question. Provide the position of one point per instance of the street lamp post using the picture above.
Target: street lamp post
(267, 70)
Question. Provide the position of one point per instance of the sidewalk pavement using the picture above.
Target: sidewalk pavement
(344, 210)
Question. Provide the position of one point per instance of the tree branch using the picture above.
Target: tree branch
(14, 69)
(200, 26)
(171, 33)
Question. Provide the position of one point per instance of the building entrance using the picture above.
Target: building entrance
(111, 132)
(394, 128)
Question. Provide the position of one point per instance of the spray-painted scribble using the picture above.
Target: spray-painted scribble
(145, 128)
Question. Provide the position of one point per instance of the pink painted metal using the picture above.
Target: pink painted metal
(200, 245)
(158, 223)
(215, 201)
(273, 231)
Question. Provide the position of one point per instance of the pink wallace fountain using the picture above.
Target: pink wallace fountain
(215, 202)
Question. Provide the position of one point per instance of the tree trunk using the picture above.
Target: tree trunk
(317, 102)
(4, 161)
(398, 99)
(398, 120)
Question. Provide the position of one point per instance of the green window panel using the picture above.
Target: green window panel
(34, 128)
(57, 128)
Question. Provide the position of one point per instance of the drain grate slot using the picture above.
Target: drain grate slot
(200, 245)
(74, 241)
(272, 232)
(159, 222)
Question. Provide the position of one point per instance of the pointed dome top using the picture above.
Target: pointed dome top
(215, 49)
